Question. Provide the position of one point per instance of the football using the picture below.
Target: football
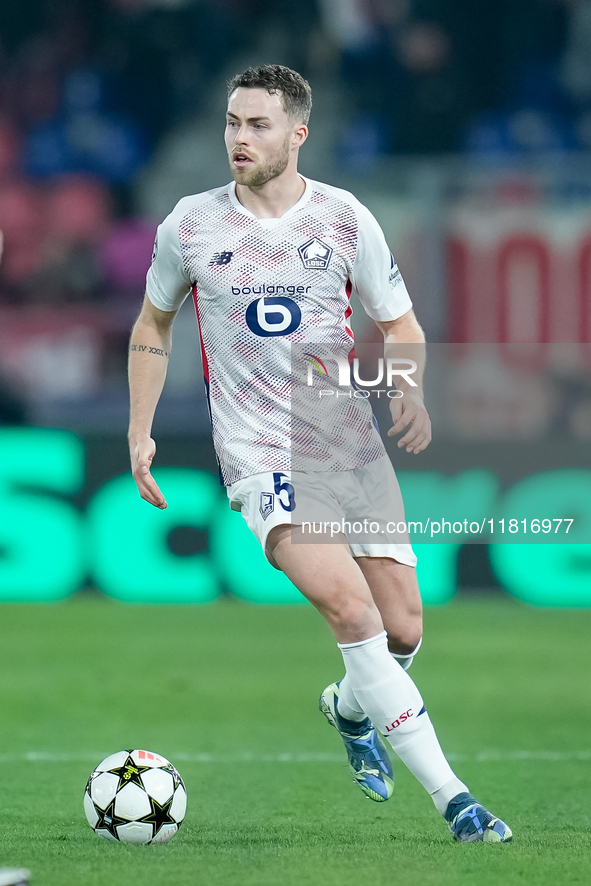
(135, 797)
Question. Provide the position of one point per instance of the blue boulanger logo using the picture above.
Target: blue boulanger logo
(315, 255)
(273, 316)
(273, 289)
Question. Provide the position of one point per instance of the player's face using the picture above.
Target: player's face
(259, 136)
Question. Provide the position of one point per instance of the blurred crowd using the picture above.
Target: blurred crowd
(89, 87)
(495, 76)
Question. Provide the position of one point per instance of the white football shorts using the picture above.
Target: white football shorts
(364, 504)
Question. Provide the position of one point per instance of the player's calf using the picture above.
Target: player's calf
(405, 656)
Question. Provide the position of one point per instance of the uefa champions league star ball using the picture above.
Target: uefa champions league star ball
(135, 797)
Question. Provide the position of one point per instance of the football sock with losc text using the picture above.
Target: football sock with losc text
(378, 684)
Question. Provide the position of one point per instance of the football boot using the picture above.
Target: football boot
(470, 822)
(14, 877)
(369, 762)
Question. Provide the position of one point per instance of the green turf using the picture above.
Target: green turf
(504, 684)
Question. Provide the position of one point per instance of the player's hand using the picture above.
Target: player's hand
(142, 454)
(410, 410)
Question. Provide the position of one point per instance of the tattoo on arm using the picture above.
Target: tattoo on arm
(148, 349)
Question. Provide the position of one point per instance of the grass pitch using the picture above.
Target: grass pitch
(228, 693)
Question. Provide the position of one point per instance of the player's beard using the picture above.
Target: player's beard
(260, 175)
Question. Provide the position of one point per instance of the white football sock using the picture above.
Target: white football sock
(446, 793)
(347, 705)
(394, 705)
(405, 661)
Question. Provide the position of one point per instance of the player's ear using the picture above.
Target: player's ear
(300, 134)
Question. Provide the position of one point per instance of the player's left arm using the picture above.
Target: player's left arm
(383, 294)
(404, 340)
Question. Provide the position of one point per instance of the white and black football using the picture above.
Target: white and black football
(135, 797)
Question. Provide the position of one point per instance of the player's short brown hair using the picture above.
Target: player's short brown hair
(295, 92)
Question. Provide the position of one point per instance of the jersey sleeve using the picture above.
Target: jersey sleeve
(167, 283)
(376, 277)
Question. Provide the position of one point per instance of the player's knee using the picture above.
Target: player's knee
(353, 616)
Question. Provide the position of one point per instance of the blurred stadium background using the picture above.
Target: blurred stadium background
(466, 128)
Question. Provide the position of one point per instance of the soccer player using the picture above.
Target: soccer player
(271, 260)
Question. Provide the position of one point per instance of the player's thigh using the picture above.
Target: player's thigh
(262, 506)
(395, 591)
(325, 573)
(329, 577)
(270, 500)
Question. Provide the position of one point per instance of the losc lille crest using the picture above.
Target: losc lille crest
(267, 504)
(315, 255)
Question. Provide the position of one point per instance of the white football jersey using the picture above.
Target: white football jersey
(261, 286)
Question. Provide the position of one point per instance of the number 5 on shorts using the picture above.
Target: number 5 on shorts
(279, 487)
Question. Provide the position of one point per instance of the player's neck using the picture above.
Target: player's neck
(275, 197)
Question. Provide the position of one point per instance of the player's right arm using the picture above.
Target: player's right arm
(149, 350)
(167, 286)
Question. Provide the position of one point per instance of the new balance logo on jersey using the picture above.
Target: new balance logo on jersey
(267, 504)
(315, 255)
(221, 258)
